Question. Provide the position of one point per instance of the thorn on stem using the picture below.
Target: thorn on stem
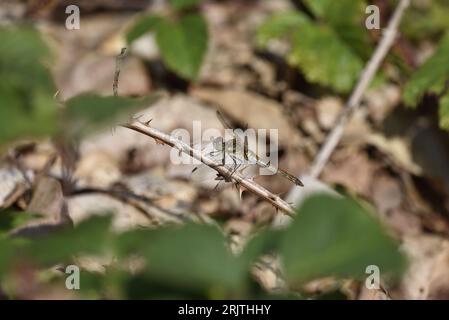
(158, 141)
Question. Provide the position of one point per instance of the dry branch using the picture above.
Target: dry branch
(239, 180)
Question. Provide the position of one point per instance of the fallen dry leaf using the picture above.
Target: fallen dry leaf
(428, 274)
(13, 184)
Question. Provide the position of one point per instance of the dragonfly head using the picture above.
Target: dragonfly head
(218, 143)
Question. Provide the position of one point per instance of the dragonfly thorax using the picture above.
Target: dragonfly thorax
(218, 144)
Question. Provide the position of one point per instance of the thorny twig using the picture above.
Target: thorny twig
(242, 182)
(367, 75)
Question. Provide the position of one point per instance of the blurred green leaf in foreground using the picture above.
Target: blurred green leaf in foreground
(329, 237)
(193, 258)
(88, 112)
(183, 4)
(336, 237)
(27, 104)
(28, 107)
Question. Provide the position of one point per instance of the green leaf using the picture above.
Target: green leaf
(443, 112)
(11, 219)
(182, 4)
(280, 25)
(91, 236)
(28, 108)
(431, 76)
(337, 13)
(142, 26)
(318, 50)
(264, 242)
(336, 237)
(183, 44)
(23, 58)
(346, 18)
(193, 257)
(334, 65)
(9, 252)
(425, 20)
(141, 286)
(88, 112)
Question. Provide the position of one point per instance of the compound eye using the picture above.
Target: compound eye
(218, 143)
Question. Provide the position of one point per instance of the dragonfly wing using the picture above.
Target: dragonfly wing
(207, 178)
(283, 173)
(227, 125)
(223, 120)
(249, 171)
(203, 175)
(290, 177)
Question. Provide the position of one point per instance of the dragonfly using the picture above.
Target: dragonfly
(235, 153)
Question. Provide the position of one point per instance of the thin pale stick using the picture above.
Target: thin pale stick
(118, 65)
(353, 103)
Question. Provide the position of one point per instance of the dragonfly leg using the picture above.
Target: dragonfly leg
(234, 160)
(235, 170)
(212, 154)
(265, 165)
(237, 164)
